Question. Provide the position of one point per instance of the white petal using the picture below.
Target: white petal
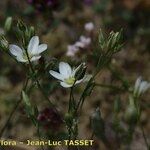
(21, 59)
(65, 85)
(33, 45)
(141, 88)
(137, 84)
(65, 69)
(87, 78)
(34, 58)
(15, 50)
(56, 75)
(78, 81)
(42, 48)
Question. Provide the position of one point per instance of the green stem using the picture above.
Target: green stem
(71, 101)
(37, 81)
(145, 138)
(109, 86)
(82, 97)
(9, 118)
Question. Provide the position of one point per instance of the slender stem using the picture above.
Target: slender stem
(71, 100)
(99, 67)
(71, 104)
(145, 138)
(69, 110)
(13, 111)
(9, 118)
(37, 81)
(109, 86)
(81, 100)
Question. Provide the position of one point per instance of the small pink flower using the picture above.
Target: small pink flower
(84, 42)
(72, 49)
(89, 26)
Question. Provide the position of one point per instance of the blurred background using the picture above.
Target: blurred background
(60, 24)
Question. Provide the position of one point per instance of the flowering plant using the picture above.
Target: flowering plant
(51, 118)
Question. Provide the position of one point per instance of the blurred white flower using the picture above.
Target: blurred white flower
(89, 26)
(71, 50)
(66, 75)
(140, 86)
(34, 50)
(83, 42)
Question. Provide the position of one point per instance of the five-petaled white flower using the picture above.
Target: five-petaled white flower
(140, 86)
(66, 75)
(34, 50)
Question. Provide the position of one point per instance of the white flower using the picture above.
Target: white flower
(140, 86)
(71, 50)
(84, 42)
(89, 26)
(66, 75)
(34, 50)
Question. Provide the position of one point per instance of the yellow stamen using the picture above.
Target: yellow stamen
(70, 80)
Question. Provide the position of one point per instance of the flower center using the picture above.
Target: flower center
(26, 57)
(70, 80)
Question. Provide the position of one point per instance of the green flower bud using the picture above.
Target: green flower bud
(3, 43)
(112, 43)
(21, 26)
(80, 73)
(32, 31)
(26, 99)
(8, 24)
(131, 114)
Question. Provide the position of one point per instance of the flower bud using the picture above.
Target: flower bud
(26, 99)
(32, 31)
(80, 73)
(3, 43)
(8, 24)
(112, 43)
(21, 26)
(131, 114)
